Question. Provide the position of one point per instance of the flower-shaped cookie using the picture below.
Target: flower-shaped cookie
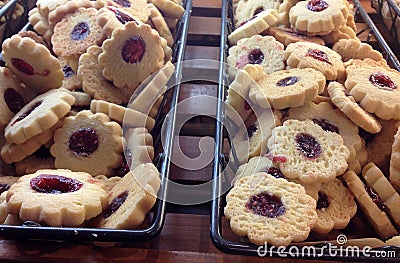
(56, 198)
(247, 9)
(271, 210)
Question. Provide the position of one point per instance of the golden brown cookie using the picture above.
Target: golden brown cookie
(287, 36)
(395, 162)
(169, 8)
(160, 25)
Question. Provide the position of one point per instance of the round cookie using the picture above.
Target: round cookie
(261, 50)
(132, 198)
(93, 82)
(335, 207)
(395, 162)
(56, 198)
(88, 142)
(261, 204)
(287, 88)
(311, 55)
(131, 55)
(287, 36)
(137, 8)
(169, 8)
(250, 8)
(306, 151)
(32, 63)
(377, 90)
(107, 183)
(353, 49)
(284, 9)
(38, 115)
(345, 32)
(351, 109)
(46, 6)
(318, 16)
(40, 24)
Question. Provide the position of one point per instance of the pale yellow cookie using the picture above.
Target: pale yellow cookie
(353, 49)
(46, 6)
(41, 159)
(160, 25)
(70, 68)
(345, 32)
(287, 36)
(139, 147)
(40, 24)
(247, 9)
(169, 8)
(137, 8)
(395, 162)
(284, 9)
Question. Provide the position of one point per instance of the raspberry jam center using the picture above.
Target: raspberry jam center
(265, 204)
(276, 172)
(133, 50)
(326, 125)
(382, 81)
(14, 100)
(317, 5)
(318, 55)
(84, 142)
(308, 145)
(68, 71)
(54, 184)
(80, 31)
(288, 81)
(323, 200)
(115, 204)
(376, 198)
(23, 66)
(28, 112)
(122, 17)
(256, 56)
(123, 3)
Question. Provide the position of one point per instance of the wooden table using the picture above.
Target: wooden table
(185, 236)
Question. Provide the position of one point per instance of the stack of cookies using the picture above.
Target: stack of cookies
(318, 109)
(64, 100)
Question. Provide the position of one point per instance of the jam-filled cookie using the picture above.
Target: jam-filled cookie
(271, 210)
(395, 162)
(353, 49)
(132, 198)
(335, 207)
(261, 50)
(287, 36)
(311, 55)
(93, 82)
(131, 55)
(305, 151)
(56, 198)
(377, 90)
(250, 8)
(38, 115)
(88, 142)
(137, 8)
(287, 88)
(318, 16)
(32, 63)
(110, 18)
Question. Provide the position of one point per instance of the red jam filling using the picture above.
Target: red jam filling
(256, 56)
(115, 204)
(318, 55)
(23, 66)
(265, 204)
(133, 50)
(123, 3)
(308, 145)
(84, 142)
(276, 158)
(326, 125)
(14, 100)
(54, 184)
(275, 172)
(317, 5)
(376, 198)
(288, 81)
(80, 31)
(382, 81)
(323, 200)
(29, 111)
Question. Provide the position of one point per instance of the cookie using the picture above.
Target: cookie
(311, 55)
(261, 50)
(305, 151)
(89, 143)
(287, 88)
(160, 25)
(38, 115)
(284, 9)
(35, 37)
(56, 198)
(287, 36)
(270, 210)
(139, 147)
(93, 83)
(374, 177)
(263, 164)
(127, 117)
(248, 9)
(318, 16)
(345, 32)
(131, 55)
(376, 89)
(358, 63)
(394, 241)
(82, 99)
(335, 207)
(137, 8)
(70, 68)
(40, 24)
(351, 109)
(41, 159)
(76, 32)
(353, 49)
(395, 162)
(32, 63)
(46, 6)
(256, 25)
(169, 8)
(132, 198)
(368, 201)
